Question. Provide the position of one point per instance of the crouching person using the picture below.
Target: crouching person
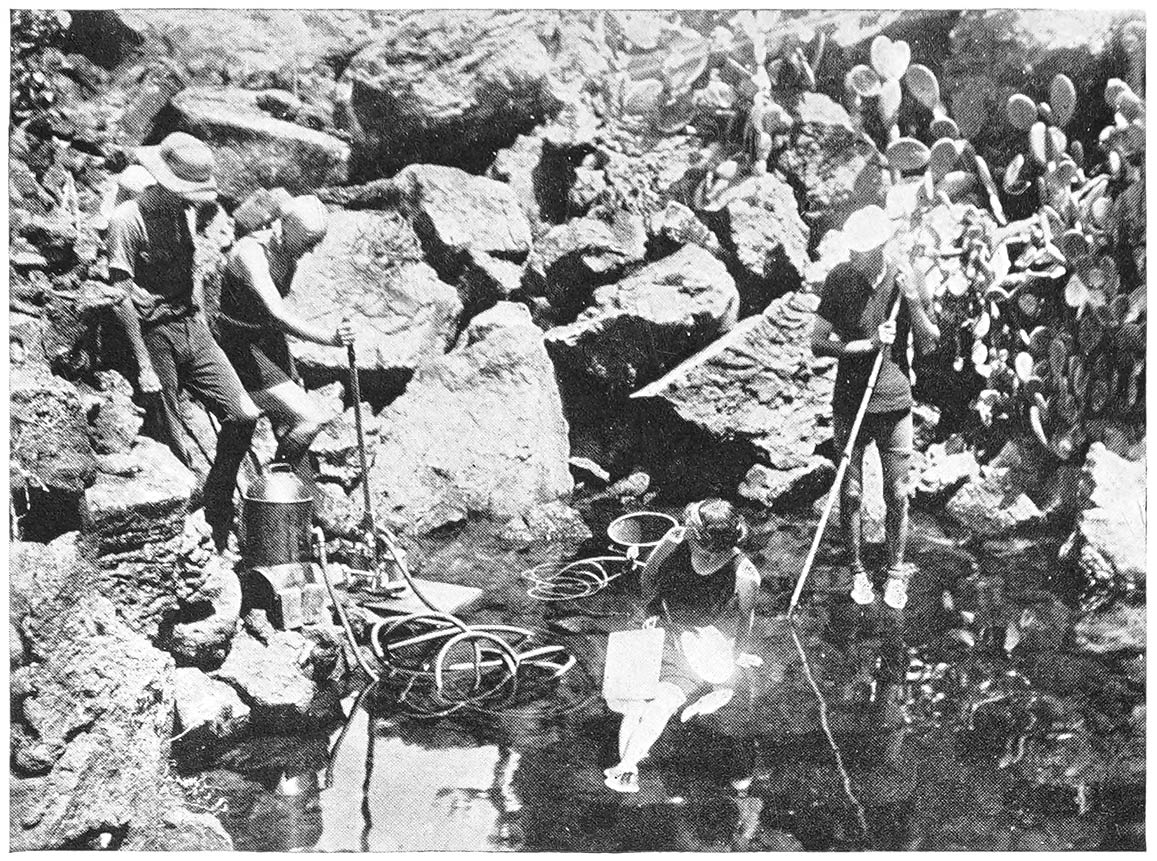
(255, 320)
(702, 589)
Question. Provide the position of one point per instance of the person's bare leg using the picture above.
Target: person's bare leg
(895, 456)
(653, 720)
(289, 405)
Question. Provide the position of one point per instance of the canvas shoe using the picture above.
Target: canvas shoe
(896, 589)
(862, 591)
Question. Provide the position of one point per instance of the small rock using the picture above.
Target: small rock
(550, 521)
(998, 500)
(207, 708)
(1120, 628)
(207, 620)
(782, 489)
(269, 678)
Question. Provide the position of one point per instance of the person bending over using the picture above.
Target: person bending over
(702, 589)
(254, 321)
(853, 324)
(150, 250)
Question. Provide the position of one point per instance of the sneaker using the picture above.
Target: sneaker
(862, 591)
(896, 590)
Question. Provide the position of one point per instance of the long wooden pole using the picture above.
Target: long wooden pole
(368, 516)
(834, 493)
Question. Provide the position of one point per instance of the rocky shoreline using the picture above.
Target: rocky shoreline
(553, 302)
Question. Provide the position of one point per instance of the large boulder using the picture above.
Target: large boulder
(1108, 542)
(766, 241)
(126, 512)
(252, 48)
(44, 579)
(639, 328)
(834, 168)
(454, 212)
(370, 265)
(479, 431)
(49, 446)
(758, 386)
(452, 86)
(132, 524)
(574, 258)
(97, 728)
(1000, 499)
(253, 149)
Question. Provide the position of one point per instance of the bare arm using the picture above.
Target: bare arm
(825, 342)
(130, 319)
(255, 269)
(649, 578)
(747, 584)
(925, 332)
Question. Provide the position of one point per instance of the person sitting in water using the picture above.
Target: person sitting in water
(254, 320)
(702, 588)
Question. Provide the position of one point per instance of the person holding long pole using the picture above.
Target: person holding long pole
(855, 323)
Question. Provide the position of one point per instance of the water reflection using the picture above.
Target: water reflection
(944, 734)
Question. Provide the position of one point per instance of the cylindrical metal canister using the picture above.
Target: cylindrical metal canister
(278, 516)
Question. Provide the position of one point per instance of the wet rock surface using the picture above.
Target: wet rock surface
(269, 676)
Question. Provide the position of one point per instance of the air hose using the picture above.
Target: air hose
(490, 646)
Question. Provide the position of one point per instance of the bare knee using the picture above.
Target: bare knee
(245, 412)
(896, 493)
(852, 494)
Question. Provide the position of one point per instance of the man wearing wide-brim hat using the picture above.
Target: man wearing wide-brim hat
(853, 323)
(151, 252)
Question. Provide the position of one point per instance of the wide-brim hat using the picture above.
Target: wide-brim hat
(183, 165)
(867, 229)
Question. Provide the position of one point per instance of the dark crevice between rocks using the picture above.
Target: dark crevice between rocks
(755, 292)
(379, 387)
(45, 513)
(111, 837)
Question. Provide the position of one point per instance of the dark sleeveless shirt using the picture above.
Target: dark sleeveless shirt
(693, 600)
(241, 308)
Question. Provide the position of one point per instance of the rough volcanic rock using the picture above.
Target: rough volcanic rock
(993, 53)
(478, 432)
(254, 150)
(114, 420)
(834, 169)
(207, 708)
(765, 239)
(945, 466)
(336, 447)
(269, 676)
(97, 727)
(49, 444)
(252, 48)
(338, 513)
(485, 280)
(574, 258)
(759, 384)
(785, 489)
(453, 212)
(639, 328)
(1108, 543)
(453, 86)
(1120, 628)
(203, 628)
(370, 265)
(999, 500)
(126, 512)
(539, 176)
(132, 525)
(44, 579)
(550, 521)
